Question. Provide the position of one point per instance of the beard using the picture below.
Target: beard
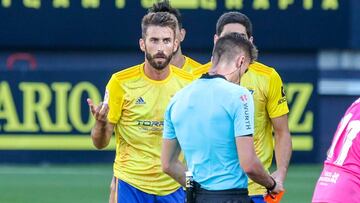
(158, 65)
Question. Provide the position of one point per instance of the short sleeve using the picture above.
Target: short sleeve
(277, 103)
(169, 130)
(114, 97)
(244, 114)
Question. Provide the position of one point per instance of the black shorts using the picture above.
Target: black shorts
(222, 196)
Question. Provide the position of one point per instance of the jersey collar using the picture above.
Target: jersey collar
(208, 76)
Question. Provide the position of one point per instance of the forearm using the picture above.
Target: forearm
(259, 175)
(177, 170)
(101, 134)
(283, 151)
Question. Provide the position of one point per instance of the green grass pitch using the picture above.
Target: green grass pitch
(90, 183)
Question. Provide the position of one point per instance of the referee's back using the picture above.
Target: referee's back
(203, 116)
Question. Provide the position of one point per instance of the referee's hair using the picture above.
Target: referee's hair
(231, 44)
(164, 6)
(162, 19)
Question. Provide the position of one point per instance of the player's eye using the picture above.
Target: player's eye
(154, 40)
(166, 41)
(244, 35)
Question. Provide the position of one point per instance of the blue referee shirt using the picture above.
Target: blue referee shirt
(206, 117)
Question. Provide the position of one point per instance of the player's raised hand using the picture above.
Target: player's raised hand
(102, 130)
(92, 106)
(99, 112)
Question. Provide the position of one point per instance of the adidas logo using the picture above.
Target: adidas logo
(140, 100)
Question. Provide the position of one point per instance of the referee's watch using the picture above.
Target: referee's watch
(269, 189)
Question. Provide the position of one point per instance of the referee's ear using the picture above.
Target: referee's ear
(142, 44)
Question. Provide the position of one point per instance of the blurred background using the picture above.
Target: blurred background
(56, 53)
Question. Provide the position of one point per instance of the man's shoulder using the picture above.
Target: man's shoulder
(192, 63)
(179, 73)
(128, 73)
(240, 89)
(355, 108)
(202, 69)
(262, 69)
(234, 89)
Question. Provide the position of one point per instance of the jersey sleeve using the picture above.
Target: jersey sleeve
(114, 97)
(169, 130)
(277, 103)
(244, 114)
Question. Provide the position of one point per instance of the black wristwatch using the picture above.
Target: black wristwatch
(269, 189)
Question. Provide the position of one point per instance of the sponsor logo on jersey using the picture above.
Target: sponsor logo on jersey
(247, 117)
(140, 100)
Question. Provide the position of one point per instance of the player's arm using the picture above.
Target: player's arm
(277, 108)
(107, 114)
(244, 128)
(170, 160)
(283, 146)
(171, 149)
(102, 130)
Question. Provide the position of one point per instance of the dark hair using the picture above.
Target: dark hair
(164, 6)
(232, 44)
(162, 19)
(233, 17)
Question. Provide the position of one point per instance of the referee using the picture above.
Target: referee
(212, 121)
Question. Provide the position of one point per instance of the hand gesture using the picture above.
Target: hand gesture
(99, 112)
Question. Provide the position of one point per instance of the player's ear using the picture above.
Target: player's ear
(182, 34)
(142, 44)
(215, 38)
(176, 45)
(251, 39)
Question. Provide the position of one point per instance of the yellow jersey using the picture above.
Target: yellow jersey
(269, 101)
(190, 65)
(136, 107)
(197, 72)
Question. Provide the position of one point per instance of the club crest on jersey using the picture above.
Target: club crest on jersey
(283, 95)
(140, 100)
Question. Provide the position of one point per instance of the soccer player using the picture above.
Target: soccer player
(340, 178)
(134, 105)
(214, 129)
(271, 107)
(179, 60)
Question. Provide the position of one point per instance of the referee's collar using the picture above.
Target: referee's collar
(208, 76)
